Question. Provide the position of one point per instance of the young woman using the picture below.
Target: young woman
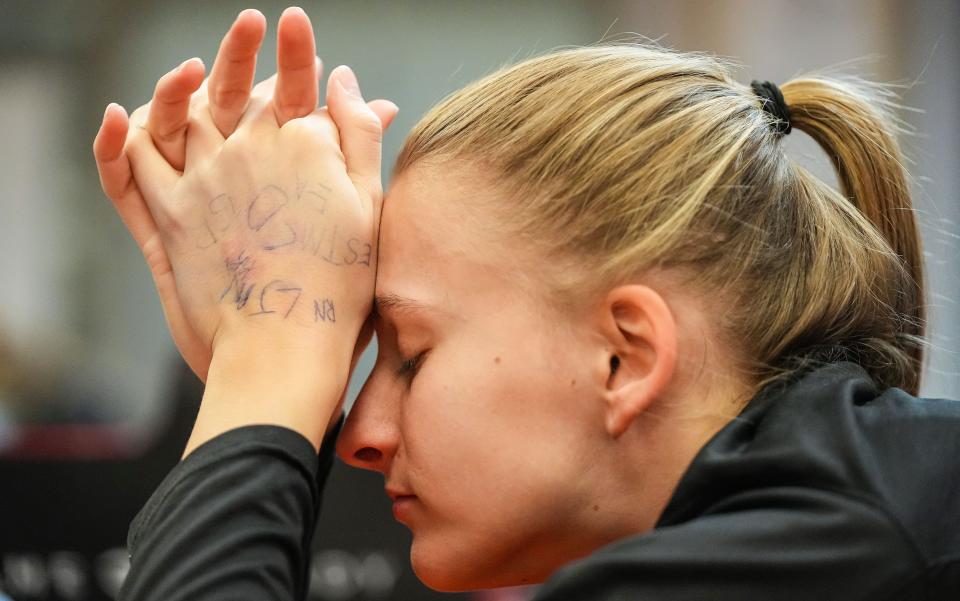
(627, 347)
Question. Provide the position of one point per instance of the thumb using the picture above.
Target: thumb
(385, 110)
(361, 131)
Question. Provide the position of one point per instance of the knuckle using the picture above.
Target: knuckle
(139, 115)
(169, 136)
(198, 99)
(313, 131)
(137, 140)
(368, 124)
(293, 110)
(234, 146)
(265, 88)
(297, 128)
(242, 152)
(229, 97)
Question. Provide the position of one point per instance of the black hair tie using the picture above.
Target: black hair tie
(771, 99)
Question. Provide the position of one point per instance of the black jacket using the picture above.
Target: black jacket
(824, 488)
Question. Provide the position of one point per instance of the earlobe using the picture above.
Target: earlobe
(626, 403)
(641, 329)
(618, 418)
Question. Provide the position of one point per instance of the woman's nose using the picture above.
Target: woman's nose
(370, 435)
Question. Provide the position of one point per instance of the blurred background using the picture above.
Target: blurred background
(95, 404)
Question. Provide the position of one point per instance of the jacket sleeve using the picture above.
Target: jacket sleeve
(782, 543)
(234, 520)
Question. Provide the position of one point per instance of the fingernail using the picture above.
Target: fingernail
(113, 106)
(187, 62)
(293, 9)
(349, 81)
(246, 11)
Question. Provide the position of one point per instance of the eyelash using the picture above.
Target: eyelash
(411, 366)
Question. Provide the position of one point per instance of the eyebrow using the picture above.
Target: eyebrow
(393, 303)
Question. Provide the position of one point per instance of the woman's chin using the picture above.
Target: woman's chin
(446, 572)
(442, 574)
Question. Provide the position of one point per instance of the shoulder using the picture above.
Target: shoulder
(886, 448)
(834, 430)
(820, 486)
(780, 543)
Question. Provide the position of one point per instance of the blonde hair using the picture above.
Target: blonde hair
(626, 158)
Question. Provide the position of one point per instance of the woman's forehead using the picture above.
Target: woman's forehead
(436, 238)
(432, 215)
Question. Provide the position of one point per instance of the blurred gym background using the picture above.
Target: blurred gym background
(95, 404)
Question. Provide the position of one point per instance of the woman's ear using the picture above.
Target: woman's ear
(641, 333)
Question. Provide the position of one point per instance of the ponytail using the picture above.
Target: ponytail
(851, 121)
(621, 160)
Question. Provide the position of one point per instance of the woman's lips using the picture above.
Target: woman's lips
(403, 505)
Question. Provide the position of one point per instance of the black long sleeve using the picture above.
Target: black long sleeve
(234, 520)
(826, 489)
(785, 543)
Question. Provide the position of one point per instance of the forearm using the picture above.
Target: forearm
(232, 521)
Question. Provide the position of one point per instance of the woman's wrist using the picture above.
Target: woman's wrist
(293, 386)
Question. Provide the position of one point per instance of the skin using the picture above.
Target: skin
(139, 159)
(524, 451)
(525, 437)
(223, 98)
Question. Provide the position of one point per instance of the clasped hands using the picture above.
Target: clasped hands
(257, 212)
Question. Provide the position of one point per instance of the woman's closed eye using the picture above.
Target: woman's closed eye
(411, 366)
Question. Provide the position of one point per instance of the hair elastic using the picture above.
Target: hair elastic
(771, 99)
